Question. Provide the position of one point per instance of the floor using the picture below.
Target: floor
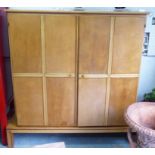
(72, 140)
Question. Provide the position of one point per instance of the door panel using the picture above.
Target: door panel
(123, 92)
(127, 46)
(25, 42)
(61, 102)
(29, 101)
(91, 102)
(94, 35)
(60, 43)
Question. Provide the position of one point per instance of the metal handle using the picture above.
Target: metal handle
(71, 75)
(81, 76)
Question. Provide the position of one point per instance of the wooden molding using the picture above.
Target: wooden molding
(27, 75)
(43, 70)
(109, 68)
(60, 75)
(124, 75)
(76, 68)
(93, 76)
(78, 12)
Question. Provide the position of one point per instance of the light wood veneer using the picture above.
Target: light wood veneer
(76, 71)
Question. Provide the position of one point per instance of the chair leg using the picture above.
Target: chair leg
(132, 143)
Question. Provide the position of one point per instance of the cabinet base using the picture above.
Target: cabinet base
(12, 128)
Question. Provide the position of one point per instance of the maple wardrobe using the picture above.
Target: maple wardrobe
(74, 71)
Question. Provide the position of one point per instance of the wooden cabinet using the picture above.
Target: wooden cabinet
(74, 70)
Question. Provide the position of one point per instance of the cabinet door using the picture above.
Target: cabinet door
(60, 99)
(94, 34)
(29, 101)
(25, 42)
(60, 43)
(123, 92)
(127, 46)
(91, 102)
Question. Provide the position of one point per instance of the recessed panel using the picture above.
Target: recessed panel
(61, 101)
(94, 37)
(127, 45)
(91, 102)
(25, 42)
(123, 92)
(28, 93)
(60, 43)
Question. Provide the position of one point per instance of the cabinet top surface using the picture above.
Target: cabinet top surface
(78, 12)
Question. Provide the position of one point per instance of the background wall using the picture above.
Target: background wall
(147, 72)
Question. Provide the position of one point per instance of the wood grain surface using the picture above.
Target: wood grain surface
(29, 101)
(94, 34)
(127, 45)
(123, 92)
(91, 102)
(25, 43)
(60, 43)
(60, 101)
